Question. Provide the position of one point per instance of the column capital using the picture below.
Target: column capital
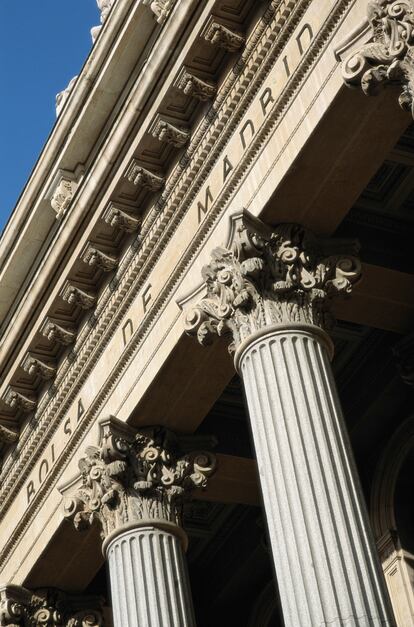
(48, 607)
(388, 57)
(283, 275)
(135, 477)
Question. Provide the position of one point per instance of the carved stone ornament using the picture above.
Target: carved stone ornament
(135, 476)
(265, 277)
(63, 95)
(121, 219)
(8, 434)
(62, 197)
(35, 366)
(20, 607)
(95, 257)
(76, 296)
(389, 56)
(220, 35)
(62, 189)
(194, 86)
(142, 177)
(160, 8)
(19, 400)
(166, 132)
(104, 7)
(55, 332)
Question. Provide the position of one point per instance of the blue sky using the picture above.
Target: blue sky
(43, 44)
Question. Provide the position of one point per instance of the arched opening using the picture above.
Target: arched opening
(392, 515)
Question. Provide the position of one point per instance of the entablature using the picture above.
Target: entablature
(147, 226)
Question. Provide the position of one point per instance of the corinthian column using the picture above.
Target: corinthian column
(270, 292)
(134, 485)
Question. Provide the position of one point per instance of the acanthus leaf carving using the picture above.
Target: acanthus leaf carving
(388, 58)
(34, 365)
(48, 607)
(95, 257)
(55, 332)
(194, 86)
(135, 476)
(220, 35)
(164, 131)
(121, 219)
(8, 433)
(19, 400)
(76, 296)
(140, 176)
(160, 8)
(281, 276)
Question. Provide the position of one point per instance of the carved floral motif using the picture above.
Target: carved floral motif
(62, 196)
(389, 56)
(76, 296)
(142, 177)
(47, 607)
(166, 132)
(56, 333)
(267, 277)
(95, 257)
(117, 218)
(221, 35)
(160, 8)
(135, 478)
(194, 86)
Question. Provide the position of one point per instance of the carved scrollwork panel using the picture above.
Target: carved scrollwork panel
(388, 58)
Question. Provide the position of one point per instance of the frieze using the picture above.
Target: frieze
(186, 199)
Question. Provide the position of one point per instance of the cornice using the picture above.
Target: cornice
(157, 229)
(81, 128)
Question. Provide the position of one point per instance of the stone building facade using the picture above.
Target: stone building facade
(206, 301)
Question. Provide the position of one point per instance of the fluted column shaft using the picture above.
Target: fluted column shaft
(326, 564)
(149, 580)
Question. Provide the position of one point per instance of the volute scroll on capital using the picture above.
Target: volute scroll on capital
(136, 476)
(388, 58)
(48, 607)
(269, 276)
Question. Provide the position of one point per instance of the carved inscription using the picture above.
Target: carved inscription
(50, 455)
(249, 127)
